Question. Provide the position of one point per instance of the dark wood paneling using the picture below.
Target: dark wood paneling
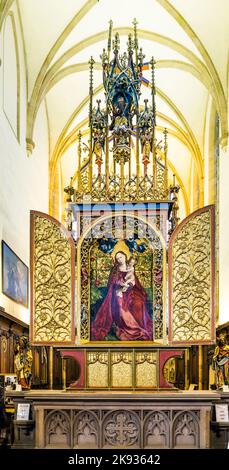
(10, 331)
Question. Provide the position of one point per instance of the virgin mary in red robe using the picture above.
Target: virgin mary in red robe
(128, 311)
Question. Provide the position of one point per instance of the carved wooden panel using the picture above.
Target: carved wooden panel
(123, 425)
(121, 369)
(156, 430)
(10, 330)
(2, 390)
(192, 279)
(146, 369)
(121, 429)
(4, 353)
(52, 281)
(86, 430)
(58, 429)
(186, 430)
(97, 369)
(40, 366)
(117, 368)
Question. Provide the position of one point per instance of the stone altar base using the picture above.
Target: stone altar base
(76, 420)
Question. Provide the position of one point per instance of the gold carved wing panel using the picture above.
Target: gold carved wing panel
(192, 279)
(52, 266)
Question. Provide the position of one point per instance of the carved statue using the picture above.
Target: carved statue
(120, 113)
(23, 363)
(146, 145)
(69, 190)
(220, 361)
(98, 149)
(68, 220)
(99, 139)
(99, 134)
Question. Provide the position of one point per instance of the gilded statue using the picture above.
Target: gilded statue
(69, 190)
(220, 361)
(98, 150)
(120, 113)
(146, 145)
(99, 139)
(23, 360)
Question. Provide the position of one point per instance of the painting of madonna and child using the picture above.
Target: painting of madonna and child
(121, 295)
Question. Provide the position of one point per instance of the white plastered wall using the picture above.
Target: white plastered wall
(23, 179)
(223, 236)
(224, 231)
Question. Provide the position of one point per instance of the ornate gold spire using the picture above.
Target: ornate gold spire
(122, 144)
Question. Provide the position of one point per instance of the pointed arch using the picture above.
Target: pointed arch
(11, 94)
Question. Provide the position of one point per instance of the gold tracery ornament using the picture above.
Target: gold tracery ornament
(191, 279)
(52, 281)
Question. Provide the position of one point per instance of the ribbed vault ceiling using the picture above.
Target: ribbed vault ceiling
(188, 39)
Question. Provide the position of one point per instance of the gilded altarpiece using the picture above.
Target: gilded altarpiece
(100, 290)
(114, 361)
(122, 214)
(192, 279)
(52, 282)
(96, 270)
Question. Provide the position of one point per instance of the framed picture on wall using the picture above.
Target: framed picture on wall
(15, 276)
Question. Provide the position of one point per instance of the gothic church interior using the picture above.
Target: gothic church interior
(114, 198)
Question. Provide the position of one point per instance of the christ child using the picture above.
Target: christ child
(129, 279)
